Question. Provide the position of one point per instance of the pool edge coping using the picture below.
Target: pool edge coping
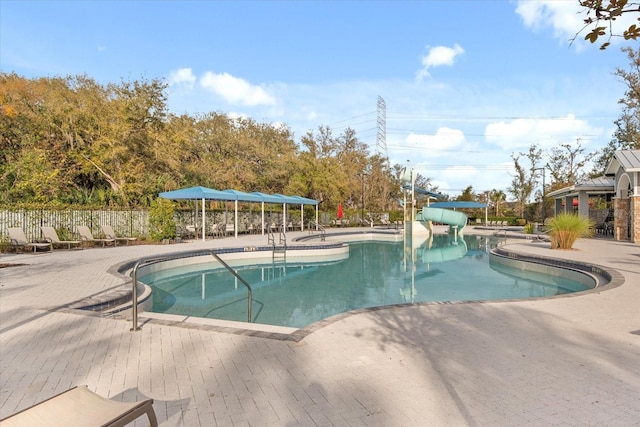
(190, 322)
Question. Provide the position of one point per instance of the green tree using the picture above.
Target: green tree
(497, 197)
(627, 133)
(162, 224)
(524, 180)
(566, 164)
(467, 195)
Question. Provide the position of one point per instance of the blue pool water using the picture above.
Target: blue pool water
(375, 274)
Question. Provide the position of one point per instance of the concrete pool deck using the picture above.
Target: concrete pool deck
(559, 361)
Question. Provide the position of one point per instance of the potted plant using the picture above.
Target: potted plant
(566, 228)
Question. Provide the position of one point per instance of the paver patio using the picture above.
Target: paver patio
(572, 360)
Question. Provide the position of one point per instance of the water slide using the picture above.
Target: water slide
(445, 216)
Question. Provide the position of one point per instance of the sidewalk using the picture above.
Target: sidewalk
(561, 361)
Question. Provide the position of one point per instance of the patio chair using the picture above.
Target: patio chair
(51, 236)
(191, 230)
(108, 232)
(18, 240)
(81, 407)
(86, 236)
(229, 229)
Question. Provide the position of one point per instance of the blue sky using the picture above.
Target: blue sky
(465, 83)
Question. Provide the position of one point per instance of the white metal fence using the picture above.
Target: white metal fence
(124, 222)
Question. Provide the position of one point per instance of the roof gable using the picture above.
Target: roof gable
(628, 160)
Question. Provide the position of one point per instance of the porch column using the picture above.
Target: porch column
(568, 204)
(583, 204)
(557, 208)
(620, 218)
(635, 219)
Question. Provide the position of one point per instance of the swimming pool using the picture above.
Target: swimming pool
(297, 294)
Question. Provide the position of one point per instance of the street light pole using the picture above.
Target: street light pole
(362, 175)
(362, 215)
(544, 213)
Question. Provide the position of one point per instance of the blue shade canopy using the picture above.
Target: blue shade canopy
(458, 205)
(267, 198)
(303, 200)
(241, 196)
(196, 193)
(286, 199)
(204, 193)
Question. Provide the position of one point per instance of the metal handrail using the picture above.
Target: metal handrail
(505, 235)
(321, 229)
(152, 259)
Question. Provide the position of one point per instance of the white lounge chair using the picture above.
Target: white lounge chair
(108, 232)
(18, 240)
(229, 229)
(81, 407)
(51, 236)
(86, 236)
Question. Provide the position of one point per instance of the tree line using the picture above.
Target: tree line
(70, 140)
(73, 141)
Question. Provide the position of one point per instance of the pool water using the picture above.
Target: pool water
(375, 274)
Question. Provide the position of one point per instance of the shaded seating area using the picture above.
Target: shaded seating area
(109, 233)
(87, 237)
(203, 194)
(605, 227)
(18, 241)
(81, 407)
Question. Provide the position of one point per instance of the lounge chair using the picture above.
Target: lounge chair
(81, 407)
(108, 232)
(86, 236)
(229, 229)
(51, 236)
(192, 231)
(216, 230)
(19, 241)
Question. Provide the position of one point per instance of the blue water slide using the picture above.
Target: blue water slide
(445, 216)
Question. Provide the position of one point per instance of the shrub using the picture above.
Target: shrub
(161, 222)
(566, 228)
(529, 228)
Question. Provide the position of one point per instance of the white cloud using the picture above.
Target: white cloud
(438, 56)
(236, 90)
(444, 139)
(182, 77)
(546, 132)
(566, 18)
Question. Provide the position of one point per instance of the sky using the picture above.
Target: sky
(465, 83)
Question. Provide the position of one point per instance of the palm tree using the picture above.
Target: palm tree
(497, 197)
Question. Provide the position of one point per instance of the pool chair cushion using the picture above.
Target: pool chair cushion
(81, 407)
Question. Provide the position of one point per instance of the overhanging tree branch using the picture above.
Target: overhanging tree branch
(602, 13)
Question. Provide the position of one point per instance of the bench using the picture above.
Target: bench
(81, 407)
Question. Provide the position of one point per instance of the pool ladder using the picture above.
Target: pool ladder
(320, 228)
(279, 252)
(188, 254)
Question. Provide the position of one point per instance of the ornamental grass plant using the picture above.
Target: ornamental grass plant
(566, 228)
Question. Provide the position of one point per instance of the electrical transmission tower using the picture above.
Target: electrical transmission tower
(381, 137)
